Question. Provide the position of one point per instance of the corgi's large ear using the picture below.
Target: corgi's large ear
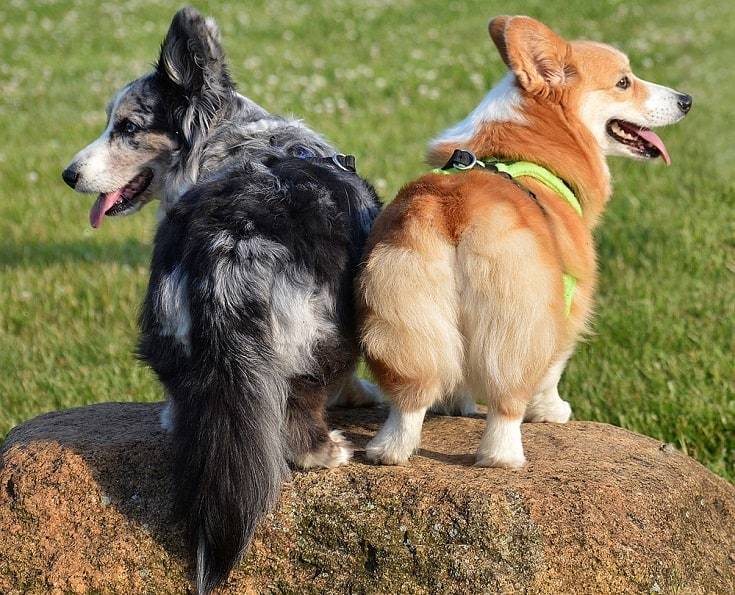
(192, 63)
(540, 59)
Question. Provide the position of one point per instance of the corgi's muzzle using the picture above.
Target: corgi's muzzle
(639, 139)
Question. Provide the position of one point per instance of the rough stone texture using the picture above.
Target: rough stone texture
(84, 507)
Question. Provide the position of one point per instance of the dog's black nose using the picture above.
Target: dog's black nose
(685, 102)
(71, 176)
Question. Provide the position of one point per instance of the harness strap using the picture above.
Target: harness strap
(518, 169)
(463, 160)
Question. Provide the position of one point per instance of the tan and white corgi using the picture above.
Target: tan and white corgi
(478, 285)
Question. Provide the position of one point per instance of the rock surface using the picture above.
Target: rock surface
(84, 507)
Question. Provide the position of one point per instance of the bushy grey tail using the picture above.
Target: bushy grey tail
(230, 461)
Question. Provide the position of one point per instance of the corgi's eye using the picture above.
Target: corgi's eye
(623, 83)
(129, 127)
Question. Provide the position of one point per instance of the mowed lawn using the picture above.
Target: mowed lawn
(380, 78)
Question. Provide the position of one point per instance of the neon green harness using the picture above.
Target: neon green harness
(520, 169)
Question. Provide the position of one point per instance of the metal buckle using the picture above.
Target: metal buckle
(338, 163)
(473, 163)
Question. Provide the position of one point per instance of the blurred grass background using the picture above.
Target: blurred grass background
(379, 78)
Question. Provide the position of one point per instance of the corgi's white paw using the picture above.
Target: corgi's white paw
(462, 406)
(370, 393)
(501, 460)
(397, 439)
(388, 452)
(501, 444)
(554, 410)
(356, 392)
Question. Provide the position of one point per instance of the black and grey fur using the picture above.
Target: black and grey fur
(248, 319)
(175, 126)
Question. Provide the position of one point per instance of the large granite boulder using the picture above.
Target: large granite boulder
(85, 508)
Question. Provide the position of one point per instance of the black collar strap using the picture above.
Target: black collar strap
(343, 162)
(462, 160)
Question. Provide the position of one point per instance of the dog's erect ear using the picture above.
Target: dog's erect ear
(192, 62)
(540, 59)
(191, 54)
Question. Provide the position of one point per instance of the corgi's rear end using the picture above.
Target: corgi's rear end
(465, 292)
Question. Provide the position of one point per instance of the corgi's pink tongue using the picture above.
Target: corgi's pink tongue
(651, 137)
(103, 204)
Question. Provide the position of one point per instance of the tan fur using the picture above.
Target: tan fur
(463, 281)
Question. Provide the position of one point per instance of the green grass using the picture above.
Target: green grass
(379, 77)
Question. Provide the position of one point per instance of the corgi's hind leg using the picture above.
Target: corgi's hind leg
(501, 444)
(546, 405)
(310, 443)
(400, 435)
(510, 333)
(410, 336)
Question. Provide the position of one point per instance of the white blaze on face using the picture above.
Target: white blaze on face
(98, 168)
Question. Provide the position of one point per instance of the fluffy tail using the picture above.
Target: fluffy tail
(230, 460)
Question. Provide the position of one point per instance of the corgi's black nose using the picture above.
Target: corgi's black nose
(685, 102)
(71, 176)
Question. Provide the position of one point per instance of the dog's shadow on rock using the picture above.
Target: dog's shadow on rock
(360, 425)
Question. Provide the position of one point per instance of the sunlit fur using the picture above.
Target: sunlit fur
(462, 288)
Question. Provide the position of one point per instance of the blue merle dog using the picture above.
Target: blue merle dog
(249, 318)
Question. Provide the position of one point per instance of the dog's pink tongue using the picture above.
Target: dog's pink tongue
(653, 138)
(101, 206)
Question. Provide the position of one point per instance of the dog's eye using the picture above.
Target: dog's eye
(302, 152)
(623, 83)
(130, 127)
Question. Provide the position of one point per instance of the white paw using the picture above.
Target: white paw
(501, 460)
(341, 449)
(388, 452)
(463, 407)
(165, 418)
(501, 444)
(334, 453)
(397, 439)
(548, 410)
(468, 408)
